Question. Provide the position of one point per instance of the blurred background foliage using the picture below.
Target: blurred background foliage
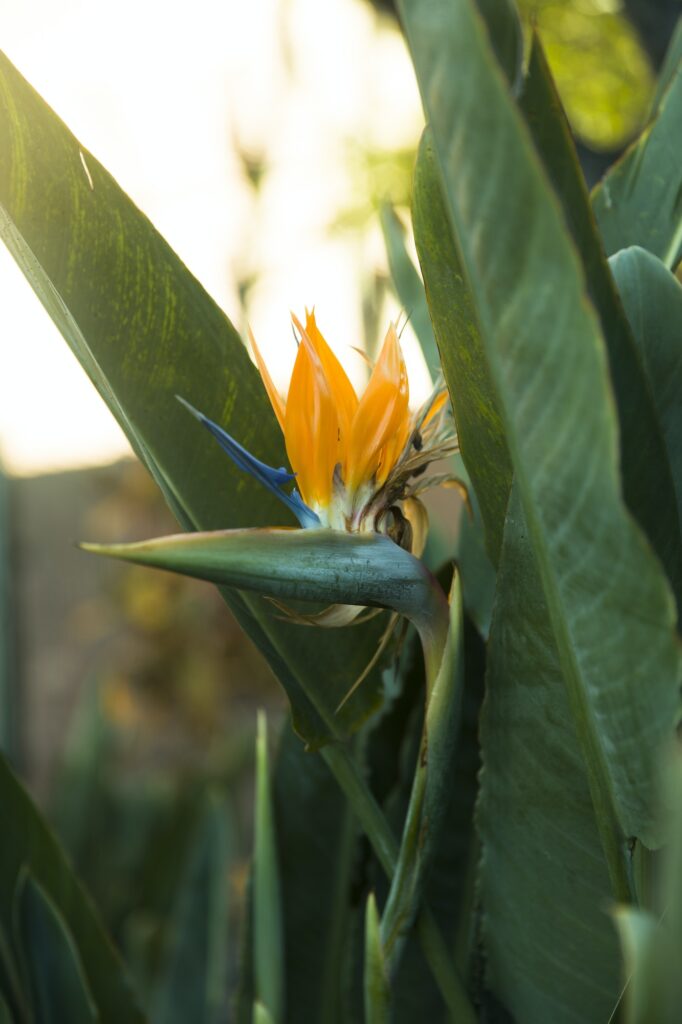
(128, 698)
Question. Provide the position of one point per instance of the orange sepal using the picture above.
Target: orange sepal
(341, 388)
(382, 415)
(276, 400)
(311, 428)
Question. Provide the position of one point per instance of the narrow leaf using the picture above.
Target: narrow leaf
(670, 67)
(409, 287)
(29, 843)
(640, 938)
(268, 952)
(261, 1015)
(375, 976)
(5, 1014)
(317, 848)
(639, 201)
(57, 980)
(430, 787)
(652, 298)
(192, 984)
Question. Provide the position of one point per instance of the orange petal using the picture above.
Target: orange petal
(276, 399)
(382, 416)
(436, 406)
(341, 388)
(311, 428)
(392, 450)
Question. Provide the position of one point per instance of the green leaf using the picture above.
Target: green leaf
(471, 559)
(5, 1014)
(449, 884)
(317, 851)
(547, 365)
(145, 330)
(639, 936)
(192, 985)
(502, 21)
(652, 298)
(261, 1015)
(57, 979)
(30, 844)
(551, 946)
(430, 784)
(306, 565)
(670, 67)
(648, 486)
(375, 974)
(268, 931)
(639, 201)
(408, 286)
(9, 734)
(455, 323)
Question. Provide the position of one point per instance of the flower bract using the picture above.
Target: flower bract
(359, 462)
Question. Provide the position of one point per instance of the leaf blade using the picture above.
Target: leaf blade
(558, 416)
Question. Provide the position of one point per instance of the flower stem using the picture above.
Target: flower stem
(444, 670)
(385, 846)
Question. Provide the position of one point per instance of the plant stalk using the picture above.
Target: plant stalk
(385, 846)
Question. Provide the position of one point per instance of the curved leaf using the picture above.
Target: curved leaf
(145, 330)
(192, 984)
(408, 286)
(652, 298)
(30, 844)
(639, 201)
(57, 980)
(547, 365)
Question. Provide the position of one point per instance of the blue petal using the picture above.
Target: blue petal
(270, 478)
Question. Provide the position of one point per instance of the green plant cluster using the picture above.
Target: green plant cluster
(492, 833)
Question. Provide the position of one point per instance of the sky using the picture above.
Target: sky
(159, 92)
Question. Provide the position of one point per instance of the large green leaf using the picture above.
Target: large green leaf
(452, 310)
(455, 323)
(145, 330)
(611, 612)
(59, 989)
(551, 946)
(648, 486)
(639, 201)
(652, 298)
(28, 844)
(192, 983)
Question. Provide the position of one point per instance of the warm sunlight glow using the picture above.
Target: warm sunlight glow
(169, 139)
